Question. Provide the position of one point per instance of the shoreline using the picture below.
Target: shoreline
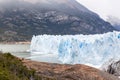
(67, 71)
(21, 42)
(54, 71)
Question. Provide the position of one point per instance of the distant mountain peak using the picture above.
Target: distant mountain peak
(115, 21)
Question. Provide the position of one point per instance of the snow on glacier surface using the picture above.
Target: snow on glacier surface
(79, 49)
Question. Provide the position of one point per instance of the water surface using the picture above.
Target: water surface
(22, 51)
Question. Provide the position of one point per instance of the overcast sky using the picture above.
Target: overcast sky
(103, 7)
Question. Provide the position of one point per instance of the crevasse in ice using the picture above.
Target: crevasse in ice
(79, 49)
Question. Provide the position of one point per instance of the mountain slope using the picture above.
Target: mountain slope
(19, 20)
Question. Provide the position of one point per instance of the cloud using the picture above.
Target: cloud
(103, 7)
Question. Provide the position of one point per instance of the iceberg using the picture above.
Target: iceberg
(79, 49)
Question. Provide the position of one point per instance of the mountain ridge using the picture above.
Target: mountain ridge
(20, 20)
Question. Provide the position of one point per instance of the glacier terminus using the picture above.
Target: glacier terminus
(92, 50)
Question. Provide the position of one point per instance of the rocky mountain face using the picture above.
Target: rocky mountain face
(20, 20)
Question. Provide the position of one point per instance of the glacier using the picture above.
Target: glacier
(92, 50)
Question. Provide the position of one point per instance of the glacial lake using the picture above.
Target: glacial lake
(22, 51)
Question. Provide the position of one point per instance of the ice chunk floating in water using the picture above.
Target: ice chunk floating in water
(75, 49)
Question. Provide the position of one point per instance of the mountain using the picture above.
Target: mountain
(114, 21)
(21, 19)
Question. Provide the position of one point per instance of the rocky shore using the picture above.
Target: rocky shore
(67, 72)
(13, 68)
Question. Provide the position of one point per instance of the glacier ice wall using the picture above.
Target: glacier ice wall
(74, 49)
